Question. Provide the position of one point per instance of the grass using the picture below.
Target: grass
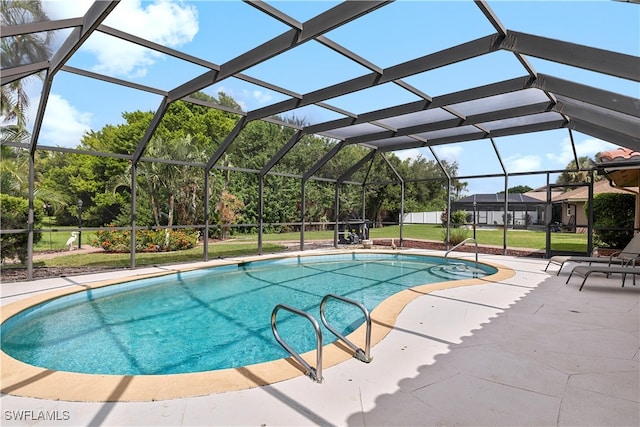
(56, 240)
(494, 237)
(242, 245)
(515, 238)
(101, 259)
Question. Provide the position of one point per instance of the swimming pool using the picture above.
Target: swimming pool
(209, 319)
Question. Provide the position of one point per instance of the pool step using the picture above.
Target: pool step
(456, 270)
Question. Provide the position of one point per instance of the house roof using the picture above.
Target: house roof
(541, 193)
(582, 193)
(491, 199)
(620, 154)
(621, 166)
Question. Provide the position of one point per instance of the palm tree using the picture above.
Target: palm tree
(459, 187)
(576, 175)
(14, 101)
(20, 50)
(171, 188)
(14, 178)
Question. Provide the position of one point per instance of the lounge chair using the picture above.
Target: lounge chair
(627, 255)
(585, 270)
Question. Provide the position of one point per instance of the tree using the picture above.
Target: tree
(174, 191)
(14, 177)
(12, 171)
(168, 193)
(14, 101)
(613, 218)
(459, 187)
(425, 187)
(14, 133)
(423, 192)
(171, 190)
(15, 213)
(575, 175)
(21, 50)
(230, 212)
(518, 189)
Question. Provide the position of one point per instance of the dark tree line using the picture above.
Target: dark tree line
(171, 194)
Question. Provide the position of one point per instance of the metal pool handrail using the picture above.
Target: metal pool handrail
(362, 355)
(314, 373)
(460, 244)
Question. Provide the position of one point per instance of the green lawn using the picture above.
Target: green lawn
(101, 259)
(515, 238)
(56, 240)
(241, 244)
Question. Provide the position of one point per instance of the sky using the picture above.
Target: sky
(218, 31)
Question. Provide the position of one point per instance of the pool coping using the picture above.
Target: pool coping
(21, 379)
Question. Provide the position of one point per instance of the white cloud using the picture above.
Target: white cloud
(121, 59)
(63, 125)
(520, 163)
(411, 153)
(165, 22)
(448, 153)
(66, 9)
(261, 96)
(589, 147)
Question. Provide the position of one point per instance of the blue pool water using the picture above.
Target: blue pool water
(210, 319)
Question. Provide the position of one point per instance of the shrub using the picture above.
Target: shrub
(456, 235)
(146, 240)
(613, 218)
(15, 214)
(459, 218)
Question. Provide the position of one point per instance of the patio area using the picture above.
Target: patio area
(525, 351)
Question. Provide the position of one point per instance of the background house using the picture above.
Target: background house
(622, 168)
(569, 207)
(524, 211)
(541, 193)
(527, 210)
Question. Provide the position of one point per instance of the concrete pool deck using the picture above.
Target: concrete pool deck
(525, 350)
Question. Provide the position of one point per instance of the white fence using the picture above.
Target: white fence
(423, 218)
(518, 218)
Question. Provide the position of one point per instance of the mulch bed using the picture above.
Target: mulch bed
(20, 274)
